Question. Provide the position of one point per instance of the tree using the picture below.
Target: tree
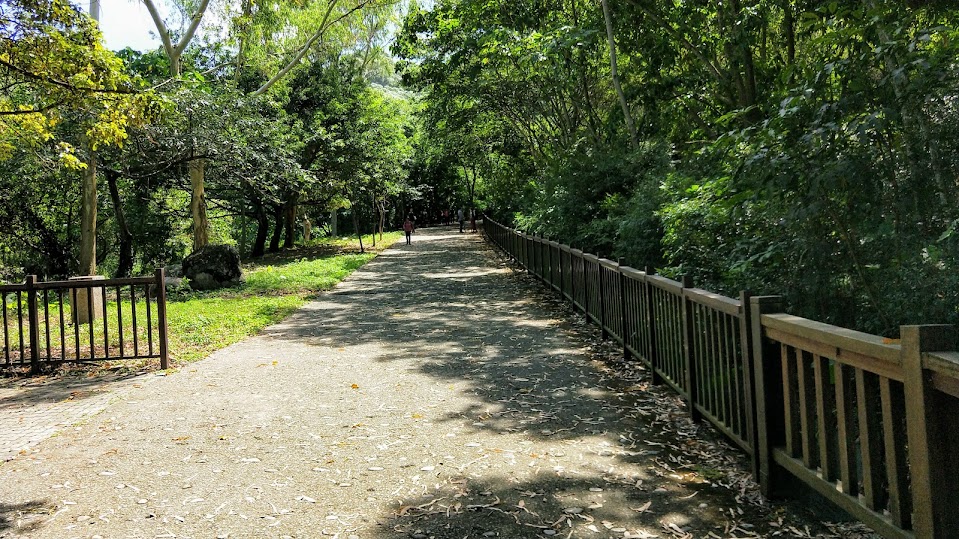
(53, 64)
(781, 146)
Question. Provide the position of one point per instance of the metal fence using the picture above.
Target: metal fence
(869, 423)
(83, 320)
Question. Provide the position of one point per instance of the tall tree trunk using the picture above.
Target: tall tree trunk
(374, 224)
(916, 134)
(262, 229)
(382, 209)
(739, 51)
(277, 228)
(356, 224)
(614, 73)
(201, 225)
(790, 25)
(244, 36)
(88, 218)
(174, 51)
(333, 230)
(125, 264)
(242, 231)
(470, 173)
(289, 213)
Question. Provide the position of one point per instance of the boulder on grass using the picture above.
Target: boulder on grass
(213, 266)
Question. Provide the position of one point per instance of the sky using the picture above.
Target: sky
(125, 23)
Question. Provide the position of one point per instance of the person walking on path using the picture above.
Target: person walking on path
(473, 220)
(408, 228)
(460, 218)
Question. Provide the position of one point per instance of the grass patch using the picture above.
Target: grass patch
(275, 287)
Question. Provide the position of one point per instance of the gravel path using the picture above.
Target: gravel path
(434, 393)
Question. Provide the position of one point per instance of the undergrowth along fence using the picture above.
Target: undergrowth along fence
(83, 321)
(869, 423)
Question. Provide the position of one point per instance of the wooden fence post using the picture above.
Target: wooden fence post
(585, 286)
(542, 258)
(161, 318)
(932, 462)
(623, 311)
(549, 262)
(692, 391)
(651, 320)
(767, 378)
(33, 315)
(526, 251)
(746, 350)
(604, 334)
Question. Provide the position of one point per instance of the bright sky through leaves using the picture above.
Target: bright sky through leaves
(125, 23)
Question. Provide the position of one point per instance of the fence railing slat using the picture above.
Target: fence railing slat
(895, 443)
(847, 431)
(870, 440)
(825, 404)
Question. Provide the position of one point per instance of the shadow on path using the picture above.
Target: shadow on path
(604, 451)
(17, 393)
(434, 393)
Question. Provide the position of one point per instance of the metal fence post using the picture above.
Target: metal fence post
(33, 315)
(161, 318)
(930, 425)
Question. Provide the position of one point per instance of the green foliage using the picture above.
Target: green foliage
(798, 148)
(600, 201)
(54, 69)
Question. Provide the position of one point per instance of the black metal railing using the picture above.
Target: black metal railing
(83, 320)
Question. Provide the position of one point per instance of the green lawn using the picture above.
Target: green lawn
(201, 323)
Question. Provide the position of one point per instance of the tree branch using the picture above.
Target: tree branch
(62, 84)
(40, 110)
(325, 25)
(710, 66)
(161, 28)
(194, 24)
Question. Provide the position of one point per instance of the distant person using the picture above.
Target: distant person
(408, 228)
(446, 217)
(473, 220)
(460, 218)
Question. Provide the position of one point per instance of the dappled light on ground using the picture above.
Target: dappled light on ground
(411, 401)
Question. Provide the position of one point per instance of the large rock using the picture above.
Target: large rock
(213, 266)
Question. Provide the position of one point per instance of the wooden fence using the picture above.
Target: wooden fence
(83, 320)
(872, 425)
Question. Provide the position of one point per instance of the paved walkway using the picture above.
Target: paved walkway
(434, 393)
(34, 409)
